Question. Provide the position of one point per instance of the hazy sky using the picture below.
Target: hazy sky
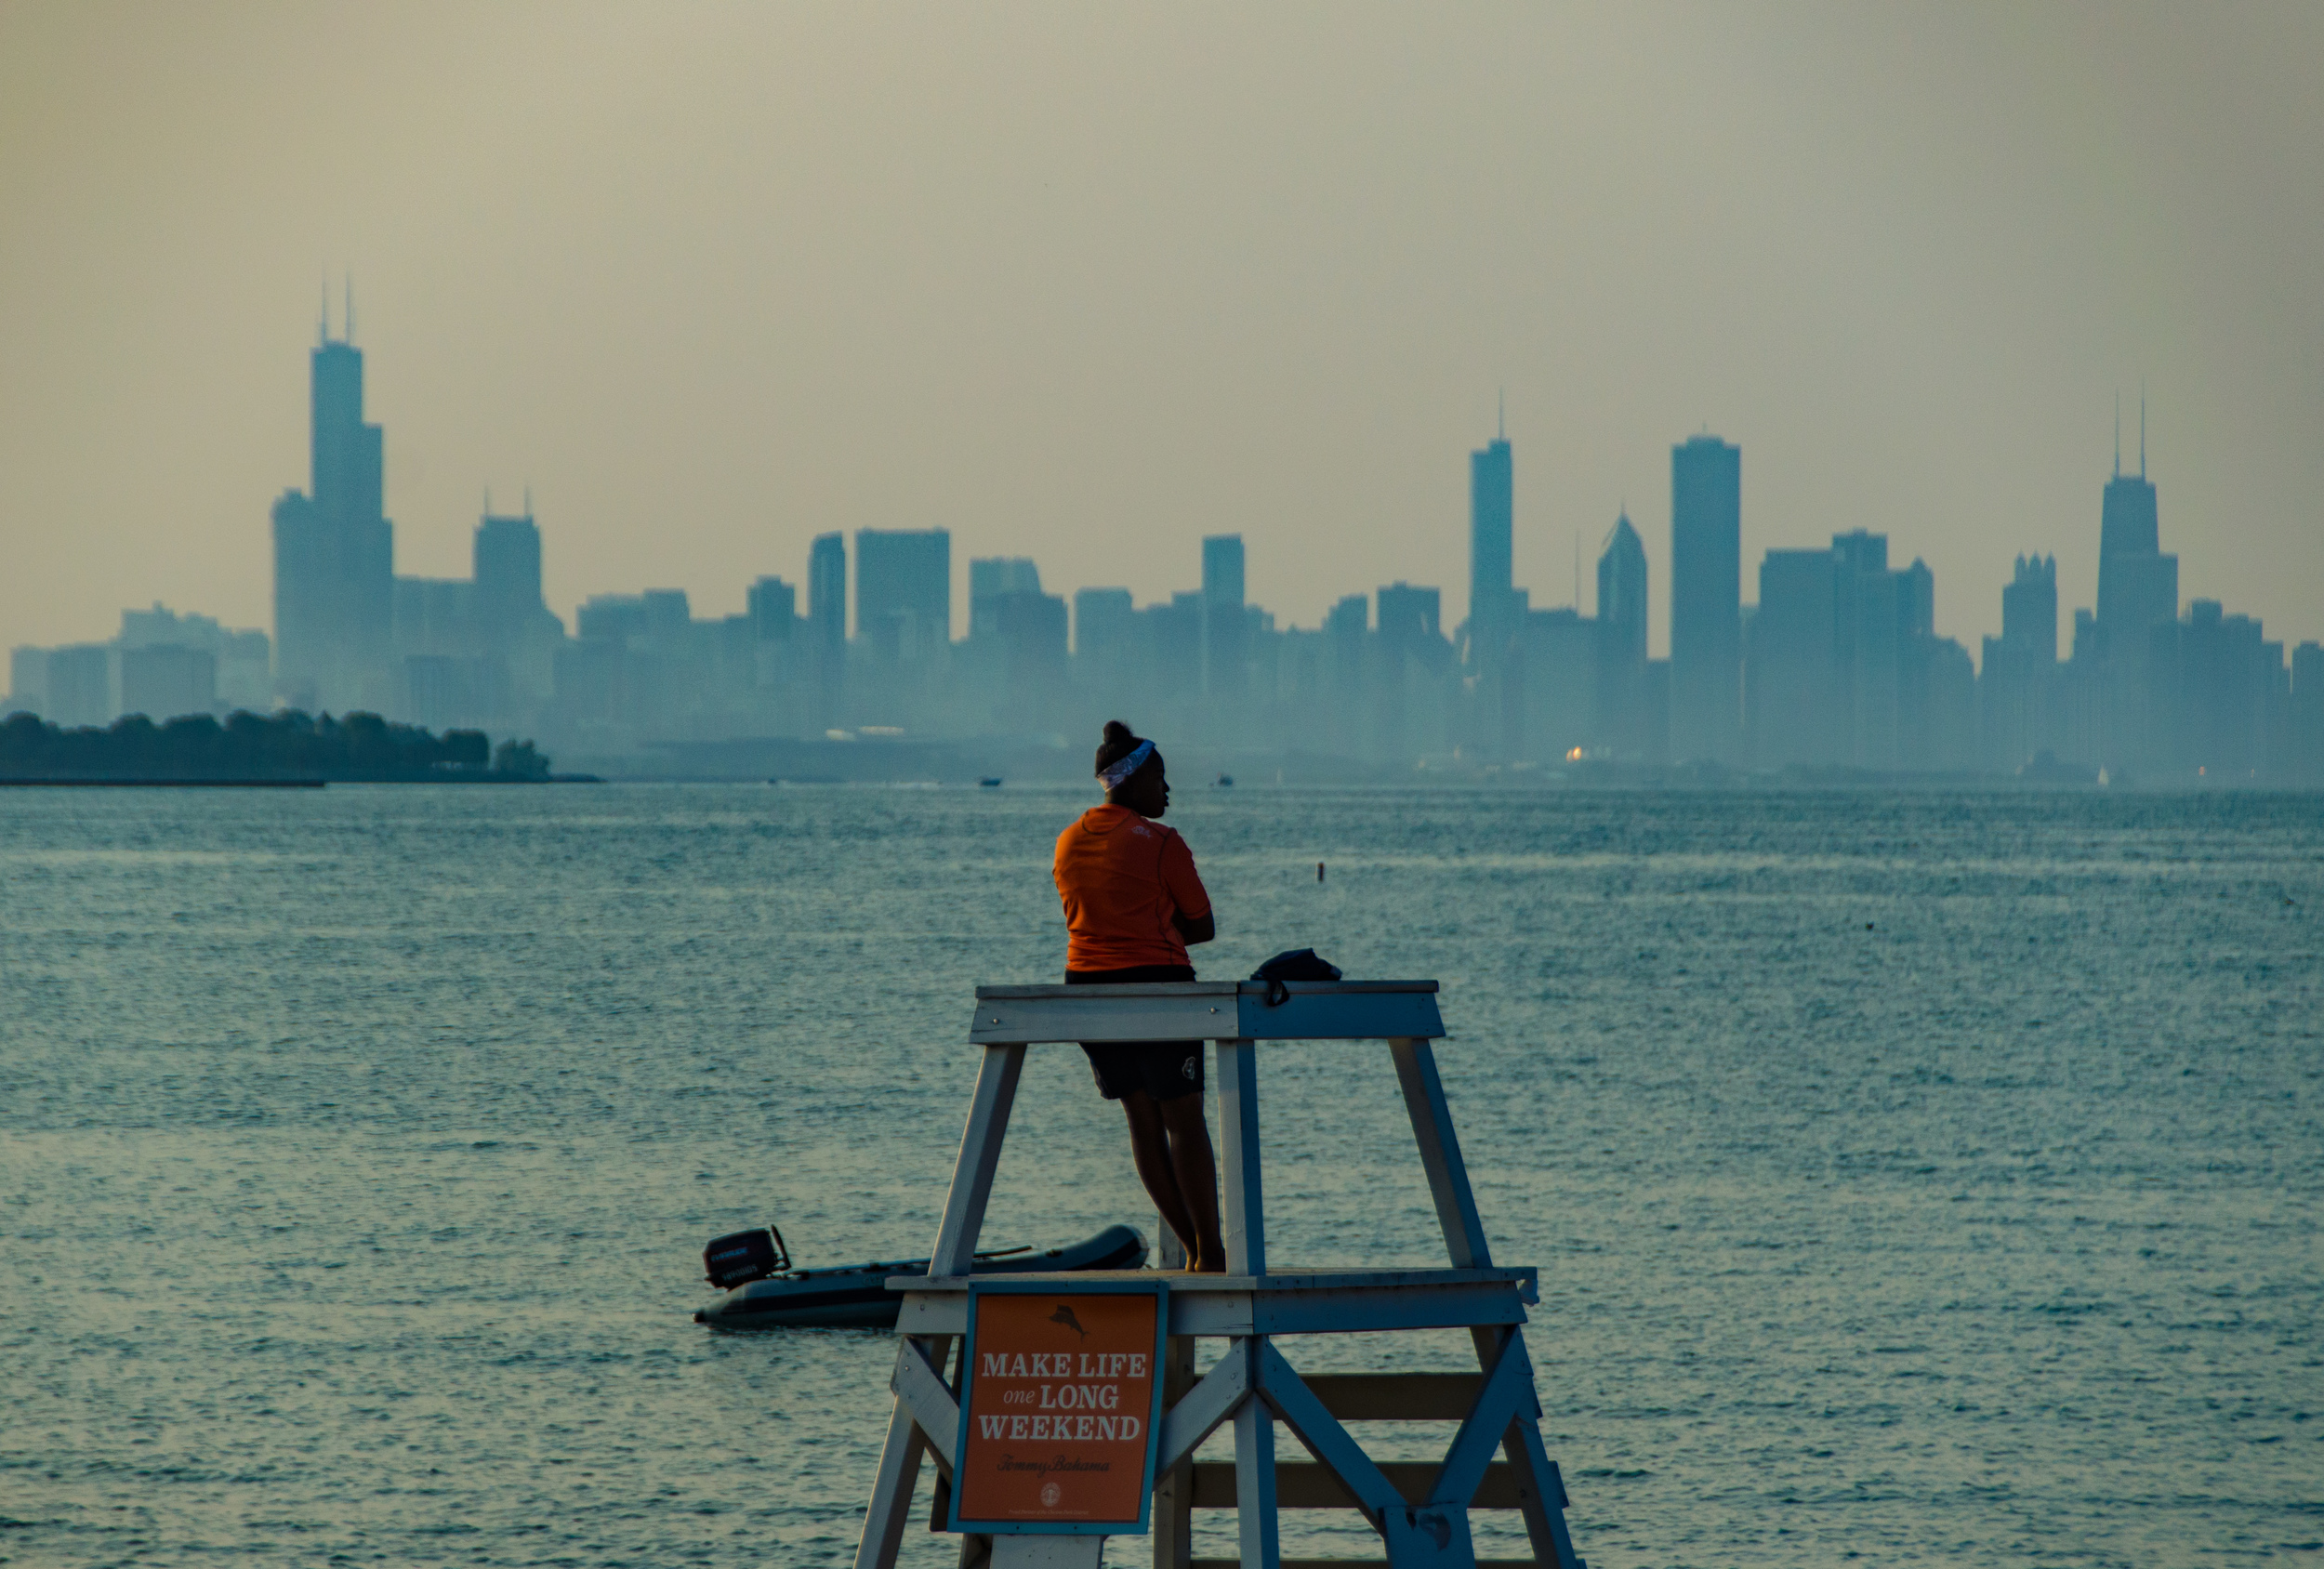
(1087, 283)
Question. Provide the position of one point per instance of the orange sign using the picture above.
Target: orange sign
(1057, 1429)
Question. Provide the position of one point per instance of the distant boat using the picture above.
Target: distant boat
(1226, 781)
(857, 1296)
(990, 784)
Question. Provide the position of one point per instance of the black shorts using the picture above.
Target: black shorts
(1164, 1068)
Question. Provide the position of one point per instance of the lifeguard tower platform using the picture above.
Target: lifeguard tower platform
(1421, 1511)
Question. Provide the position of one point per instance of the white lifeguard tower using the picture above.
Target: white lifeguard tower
(1419, 1510)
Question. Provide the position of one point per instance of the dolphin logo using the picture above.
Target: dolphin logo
(1064, 1315)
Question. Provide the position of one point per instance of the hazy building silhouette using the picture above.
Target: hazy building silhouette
(1549, 707)
(335, 549)
(2138, 585)
(826, 592)
(513, 618)
(1792, 679)
(2017, 691)
(1225, 622)
(2118, 699)
(79, 685)
(773, 606)
(1706, 598)
(1492, 513)
(1016, 650)
(1620, 706)
(992, 577)
(903, 592)
(2306, 714)
(1104, 646)
(1411, 667)
(827, 629)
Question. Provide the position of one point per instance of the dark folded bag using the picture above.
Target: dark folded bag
(1299, 964)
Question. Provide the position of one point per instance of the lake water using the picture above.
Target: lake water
(1915, 1179)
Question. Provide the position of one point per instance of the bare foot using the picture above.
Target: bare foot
(1207, 1266)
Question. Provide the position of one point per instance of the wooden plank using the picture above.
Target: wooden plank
(1354, 1562)
(1323, 1012)
(1305, 1304)
(1544, 1501)
(1359, 1309)
(1292, 1402)
(922, 1388)
(1244, 1218)
(1507, 1392)
(1174, 1486)
(1197, 1415)
(1215, 988)
(1254, 1471)
(1281, 1282)
(1101, 1013)
(980, 1156)
(1396, 1397)
(1301, 1485)
(882, 1535)
(1440, 1154)
(1206, 1010)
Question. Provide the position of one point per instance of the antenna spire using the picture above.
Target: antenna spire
(2142, 430)
(2117, 435)
(351, 308)
(1501, 421)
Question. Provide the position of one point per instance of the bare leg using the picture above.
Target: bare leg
(1196, 1170)
(1150, 1147)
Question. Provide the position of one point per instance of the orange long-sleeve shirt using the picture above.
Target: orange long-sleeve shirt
(1122, 876)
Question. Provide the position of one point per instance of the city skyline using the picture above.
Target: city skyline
(1106, 285)
(348, 461)
(1838, 664)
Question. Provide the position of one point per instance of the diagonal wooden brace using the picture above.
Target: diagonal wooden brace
(1506, 1395)
(1201, 1409)
(1289, 1397)
(923, 1393)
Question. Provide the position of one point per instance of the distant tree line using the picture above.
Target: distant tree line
(352, 749)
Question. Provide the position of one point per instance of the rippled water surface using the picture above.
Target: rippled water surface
(1915, 1179)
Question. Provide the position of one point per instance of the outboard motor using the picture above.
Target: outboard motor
(742, 1257)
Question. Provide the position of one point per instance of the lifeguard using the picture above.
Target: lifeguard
(1133, 904)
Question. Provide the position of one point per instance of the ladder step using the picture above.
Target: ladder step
(1396, 1397)
(1352, 1562)
(1303, 1485)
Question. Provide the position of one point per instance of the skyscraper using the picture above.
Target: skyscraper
(2019, 695)
(335, 549)
(827, 594)
(1492, 487)
(508, 568)
(1621, 641)
(904, 591)
(773, 606)
(2029, 608)
(1793, 685)
(1706, 598)
(826, 628)
(1225, 623)
(2138, 585)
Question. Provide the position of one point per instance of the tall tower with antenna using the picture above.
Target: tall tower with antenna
(334, 546)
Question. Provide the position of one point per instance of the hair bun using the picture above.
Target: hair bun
(1118, 733)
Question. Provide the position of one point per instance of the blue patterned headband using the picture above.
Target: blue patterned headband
(1115, 777)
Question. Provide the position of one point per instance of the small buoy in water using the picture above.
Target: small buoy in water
(1319, 871)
